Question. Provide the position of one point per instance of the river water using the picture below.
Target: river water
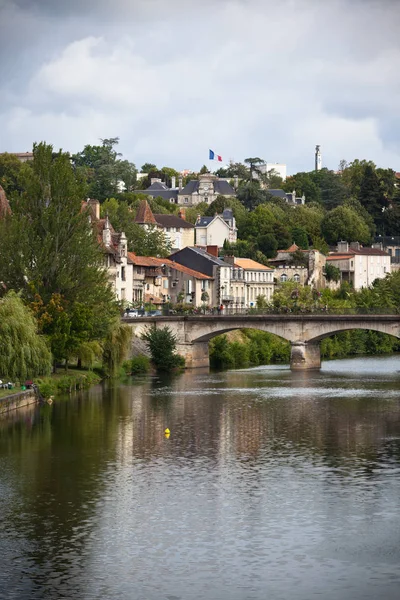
(272, 485)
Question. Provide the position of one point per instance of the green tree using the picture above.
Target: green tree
(371, 195)
(203, 170)
(254, 165)
(24, 353)
(268, 244)
(222, 202)
(104, 169)
(147, 168)
(162, 345)
(116, 346)
(10, 168)
(343, 223)
(48, 248)
(299, 236)
(303, 183)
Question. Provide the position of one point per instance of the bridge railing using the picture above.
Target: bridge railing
(227, 311)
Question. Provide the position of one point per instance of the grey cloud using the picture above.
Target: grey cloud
(172, 78)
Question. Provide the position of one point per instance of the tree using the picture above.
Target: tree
(303, 183)
(343, 223)
(222, 202)
(203, 170)
(49, 252)
(24, 353)
(268, 244)
(333, 192)
(299, 236)
(147, 168)
(10, 168)
(332, 273)
(371, 195)
(254, 165)
(162, 346)
(103, 169)
(116, 346)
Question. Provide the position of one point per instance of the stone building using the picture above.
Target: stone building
(249, 281)
(205, 189)
(309, 271)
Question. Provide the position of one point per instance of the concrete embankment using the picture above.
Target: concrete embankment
(17, 400)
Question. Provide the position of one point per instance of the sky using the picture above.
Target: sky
(173, 78)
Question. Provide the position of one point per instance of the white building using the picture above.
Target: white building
(359, 266)
(274, 168)
(250, 280)
(213, 231)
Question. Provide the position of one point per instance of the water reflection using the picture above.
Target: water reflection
(271, 484)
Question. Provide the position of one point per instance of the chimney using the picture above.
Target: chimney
(213, 250)
(107, 232)
(173, 182)
(180, 183)
(236, 182)
(155, 180)
(343, 246)
(182, 214)
(95, 207)
(355, 245)
(230, 260)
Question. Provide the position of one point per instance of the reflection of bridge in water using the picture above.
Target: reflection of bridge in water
(304, 332)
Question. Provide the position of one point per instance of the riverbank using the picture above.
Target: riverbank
(245, 348)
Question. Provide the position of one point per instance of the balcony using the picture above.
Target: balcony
(239, 300)
(225, 298)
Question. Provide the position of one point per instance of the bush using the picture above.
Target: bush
(138, 365)
(46, 388)
(162, 345)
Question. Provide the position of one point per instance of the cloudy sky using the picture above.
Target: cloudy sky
(172, 78)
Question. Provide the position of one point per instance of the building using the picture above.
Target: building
(187, 285)
(391, 245)
(177, 230)
(307, 268)
(274, 168)
(22, 156)
(289, 197)
(249, 281)
(115, 249)
(213, 231)
(208, 263)
(160, 189)
(360, 266)
(149, 282)
(205, 189)
(318, 158)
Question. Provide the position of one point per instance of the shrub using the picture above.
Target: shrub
(162, 344)
(138, 365)
(46, 389)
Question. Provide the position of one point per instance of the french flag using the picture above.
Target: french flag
(214, 156)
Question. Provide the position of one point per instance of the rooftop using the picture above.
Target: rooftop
(172, 221)
(144, 214)
(248, 263)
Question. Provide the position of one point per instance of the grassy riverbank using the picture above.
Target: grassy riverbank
(250, 348)
(67, 382)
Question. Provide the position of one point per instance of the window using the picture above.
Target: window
(123, 274)
(296, 277)
(139, 270)
(148, 286)
(206, 199)
(165, 284)
(186, 200)
(123, 296)
(283, 277)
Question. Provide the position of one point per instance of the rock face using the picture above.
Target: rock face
(4, 205)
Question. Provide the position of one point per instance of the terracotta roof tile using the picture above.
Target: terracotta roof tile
(248, 263)
(144, 214)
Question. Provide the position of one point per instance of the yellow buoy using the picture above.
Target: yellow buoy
(167, 431)
(167, 436)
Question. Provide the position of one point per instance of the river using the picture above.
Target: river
(272, 485)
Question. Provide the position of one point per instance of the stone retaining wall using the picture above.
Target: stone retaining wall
(18, 399)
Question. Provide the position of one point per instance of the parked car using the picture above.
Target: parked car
(132, 312)
(154, 313)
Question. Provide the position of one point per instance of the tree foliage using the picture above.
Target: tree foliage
(162, 345)
(24, 353)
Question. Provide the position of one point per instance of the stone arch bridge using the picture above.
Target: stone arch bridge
(304, 332)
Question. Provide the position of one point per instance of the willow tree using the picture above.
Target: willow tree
(23, 352)
(49, 252)
(116, 347)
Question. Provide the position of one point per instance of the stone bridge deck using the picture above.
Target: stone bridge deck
(304, 331)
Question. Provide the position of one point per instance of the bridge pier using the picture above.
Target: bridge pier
(305, 355)
(195, 354)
